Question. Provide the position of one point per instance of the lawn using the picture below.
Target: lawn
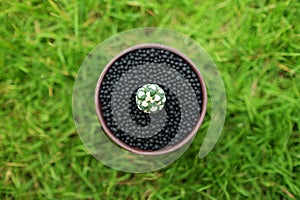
(256, 46)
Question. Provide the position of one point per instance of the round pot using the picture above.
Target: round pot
(167, 130)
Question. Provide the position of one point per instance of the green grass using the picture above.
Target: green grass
(256, 45)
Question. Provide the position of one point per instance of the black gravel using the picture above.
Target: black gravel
(168, 135)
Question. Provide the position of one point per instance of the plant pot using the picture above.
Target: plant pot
(173, 123)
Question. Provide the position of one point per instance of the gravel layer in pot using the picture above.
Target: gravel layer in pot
(172, 124)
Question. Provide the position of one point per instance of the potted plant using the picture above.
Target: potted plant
(150, 99)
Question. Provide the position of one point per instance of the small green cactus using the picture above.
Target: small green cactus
(150, 98)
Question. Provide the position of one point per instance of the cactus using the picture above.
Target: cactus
(150, 98)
